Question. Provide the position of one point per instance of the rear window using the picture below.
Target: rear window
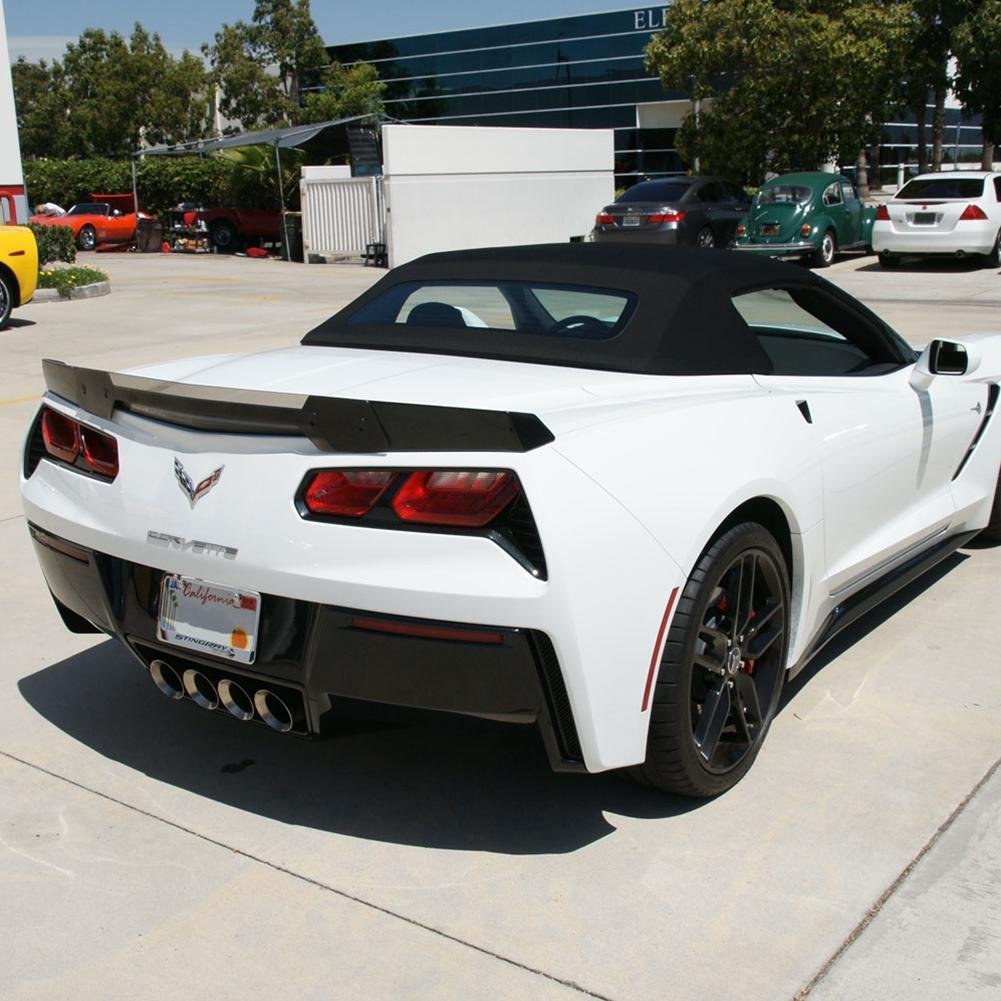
(655, 191)
(784, 194)
(943, 187)
(522, 307)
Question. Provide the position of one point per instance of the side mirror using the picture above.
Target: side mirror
(942, 357)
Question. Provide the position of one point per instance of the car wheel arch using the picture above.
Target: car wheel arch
(13, 284)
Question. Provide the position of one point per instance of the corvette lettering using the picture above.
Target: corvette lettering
(195, 546)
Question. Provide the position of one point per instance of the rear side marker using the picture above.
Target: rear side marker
(657, 647)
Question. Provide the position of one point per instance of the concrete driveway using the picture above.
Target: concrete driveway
(148, 851)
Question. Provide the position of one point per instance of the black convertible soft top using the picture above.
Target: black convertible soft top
(684, 323)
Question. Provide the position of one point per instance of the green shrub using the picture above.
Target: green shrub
(66, 279)
(55, 243)
(162, 182)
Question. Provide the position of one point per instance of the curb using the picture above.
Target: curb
(83, 292)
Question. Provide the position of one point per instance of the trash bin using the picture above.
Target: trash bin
(292, 237)
(149, 236)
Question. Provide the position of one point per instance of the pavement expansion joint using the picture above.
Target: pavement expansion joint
(572, 985)
(901, 878)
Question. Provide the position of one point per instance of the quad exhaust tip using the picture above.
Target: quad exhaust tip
(166, 679)
(200, 690)
(235, 700)
(273, 711)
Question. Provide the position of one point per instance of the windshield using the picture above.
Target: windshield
(783, 194)
(655, 191)
(90, 208)
(522, 307)
(942, 187)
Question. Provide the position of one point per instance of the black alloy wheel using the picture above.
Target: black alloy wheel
(6, 300)
(86, 239)
(722, 668)
(705, 237)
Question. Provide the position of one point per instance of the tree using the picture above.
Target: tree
(976, 43)
(263, 69)
(781, 83)
(109, 96)
(348, 91)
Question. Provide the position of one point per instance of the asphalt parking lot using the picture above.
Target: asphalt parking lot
(148, 851)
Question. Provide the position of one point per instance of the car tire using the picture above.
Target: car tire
(705, 238)
(711, 706)
(823, 256)
(6, 300)
(992, 533)
(889, 261)
(224, 236)
(993, 259)
(86, 239)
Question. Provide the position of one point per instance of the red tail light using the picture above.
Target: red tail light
(604, 219)
(471, 498)
(348, 493)
(666, 216)
(973, 213)
(882, 214)
(100, 452)
(61, 435)
(741, 230)
(68, 441)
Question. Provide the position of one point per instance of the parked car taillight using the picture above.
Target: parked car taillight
(666, 216)
(604, 219)
(973, 213)
(741, 230)
(347, 493)
(78, 445)
(882, 214)
(466, 498)
(472, 498)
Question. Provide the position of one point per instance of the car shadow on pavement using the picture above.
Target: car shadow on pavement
(930, 265)
(434, 780)
(17, 321)
(871, 622)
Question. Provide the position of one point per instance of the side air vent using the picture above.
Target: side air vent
(556, 696)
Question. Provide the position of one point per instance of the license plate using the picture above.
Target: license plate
(632, 220)
(209, 618)
(924, 218)
(769, 229)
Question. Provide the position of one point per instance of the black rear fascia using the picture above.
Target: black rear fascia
(514, 530)
(332, 424)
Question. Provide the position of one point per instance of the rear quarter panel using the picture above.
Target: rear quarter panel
(19, 252)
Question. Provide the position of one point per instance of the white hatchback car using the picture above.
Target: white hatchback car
(957, 213)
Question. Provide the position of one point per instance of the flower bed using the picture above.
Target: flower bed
(65, 280)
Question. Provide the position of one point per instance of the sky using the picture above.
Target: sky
(40, 29)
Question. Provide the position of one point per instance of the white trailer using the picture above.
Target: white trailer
(455, 187)
(13, 201)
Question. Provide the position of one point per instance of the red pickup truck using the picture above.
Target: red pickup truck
(232, 228)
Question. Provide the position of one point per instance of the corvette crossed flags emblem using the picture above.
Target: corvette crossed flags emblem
(187, 485)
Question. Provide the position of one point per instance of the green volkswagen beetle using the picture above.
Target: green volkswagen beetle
(808, 215)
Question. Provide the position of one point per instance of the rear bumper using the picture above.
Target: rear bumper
(775, 249)
(669, 235)
(314, 655)
(973, 238)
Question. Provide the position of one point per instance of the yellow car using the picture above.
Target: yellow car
(18, 269)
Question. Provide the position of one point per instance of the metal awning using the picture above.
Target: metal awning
(289, 138)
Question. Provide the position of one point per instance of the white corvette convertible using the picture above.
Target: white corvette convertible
(621, 492)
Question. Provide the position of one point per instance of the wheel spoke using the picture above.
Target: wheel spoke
(762, 619)
(747, 709)
(745, 594)
(762, 641)
(715, 712)
(708, 663)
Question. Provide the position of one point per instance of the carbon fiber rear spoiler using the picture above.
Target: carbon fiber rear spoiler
(333, 425)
